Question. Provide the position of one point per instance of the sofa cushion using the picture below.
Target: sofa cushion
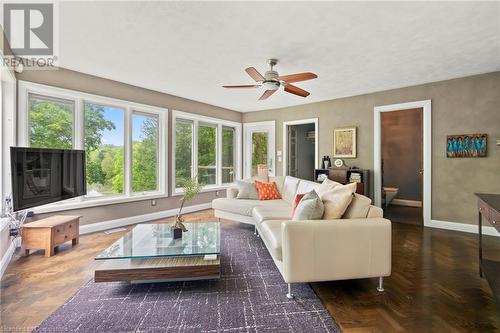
(374, 211)
(326, 186)
(337, 200)
(296, 201)
(276, 212)
(270, 232)
(279, 180)
(290, 188)
(309, 208)
(236, 206)
(306, 186)
(267, 191)
(245, 206)
(358, 208)
(246, 190)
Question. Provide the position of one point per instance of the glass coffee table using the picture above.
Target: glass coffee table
(148, 253)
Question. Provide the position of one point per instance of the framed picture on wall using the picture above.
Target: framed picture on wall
(466, 145)
(344, 142)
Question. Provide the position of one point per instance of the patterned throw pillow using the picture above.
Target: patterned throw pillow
(309, 208)
(267, 191)
(296, 201)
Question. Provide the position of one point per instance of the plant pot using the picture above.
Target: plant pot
(176, 233)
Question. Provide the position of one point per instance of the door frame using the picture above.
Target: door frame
(426, 106)
(314, 121)
(261, 126)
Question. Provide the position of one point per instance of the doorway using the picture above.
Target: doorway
(300, 143)
(401, 146)
(259, 148)
(402, 154)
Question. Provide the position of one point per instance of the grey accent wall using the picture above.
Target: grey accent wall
(402, 152)
(68, 79)
(465, 105)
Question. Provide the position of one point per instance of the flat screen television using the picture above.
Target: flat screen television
(41, 176)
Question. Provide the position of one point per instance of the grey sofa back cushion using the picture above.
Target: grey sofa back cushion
(246, 190)
(309, 208)
(289, 188)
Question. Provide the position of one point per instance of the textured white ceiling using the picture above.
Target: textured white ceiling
(190, 49)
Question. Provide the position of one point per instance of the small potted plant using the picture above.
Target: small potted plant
(191, 188)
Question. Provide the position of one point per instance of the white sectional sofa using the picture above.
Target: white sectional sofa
(356, 246)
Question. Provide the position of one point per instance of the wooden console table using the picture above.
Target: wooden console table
(49, 233)
(489, 209)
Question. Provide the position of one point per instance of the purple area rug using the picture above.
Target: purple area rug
(249, 297)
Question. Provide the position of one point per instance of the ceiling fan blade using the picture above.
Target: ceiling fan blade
(266, 94)
(298, 77)
(296, 90)
(254, 74)
(241, 86)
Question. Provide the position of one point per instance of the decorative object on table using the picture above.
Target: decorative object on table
(466, 145)
(326, 162)
(344, 142)
(354, 177)
(190, 189)
(321, 177)
(338, 163)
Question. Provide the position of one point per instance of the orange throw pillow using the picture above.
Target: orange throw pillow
(267, 191)
(296, 201)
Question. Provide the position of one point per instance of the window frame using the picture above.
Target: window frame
(235, 155)
(219, 123)
(26, 88)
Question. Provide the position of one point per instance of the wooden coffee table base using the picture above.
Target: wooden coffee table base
(160, 269)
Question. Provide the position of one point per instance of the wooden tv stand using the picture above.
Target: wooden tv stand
(50, 232)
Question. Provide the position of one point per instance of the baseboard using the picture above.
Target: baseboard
(6, 258)
(463, 227)
(408, 203)
(100, 226)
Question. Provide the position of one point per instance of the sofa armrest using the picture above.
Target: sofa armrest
(231, 192)
(326, 250)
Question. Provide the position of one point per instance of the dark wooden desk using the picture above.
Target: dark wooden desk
(489, 209)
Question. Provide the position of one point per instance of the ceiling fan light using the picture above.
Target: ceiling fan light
(271, 85)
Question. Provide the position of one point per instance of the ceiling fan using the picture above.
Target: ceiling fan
(271, 81)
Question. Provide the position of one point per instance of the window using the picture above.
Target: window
(124, 142)
(51, 122)
(144, 152)
(228, 152)
(183, 151)
(104, 147)
(259, 153)
(206, 148)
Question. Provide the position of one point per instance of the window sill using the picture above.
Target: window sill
(88, 203)
(212, 188)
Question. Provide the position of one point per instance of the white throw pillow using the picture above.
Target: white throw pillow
(337, 200)
(310, 207)
(246, 190)
(326, 186)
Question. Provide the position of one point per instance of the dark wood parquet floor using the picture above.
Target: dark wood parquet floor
(434, 286)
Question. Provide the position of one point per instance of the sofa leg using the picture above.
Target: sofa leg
(380, 287)
(255, 230)
(218, 219)
(290, 295)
